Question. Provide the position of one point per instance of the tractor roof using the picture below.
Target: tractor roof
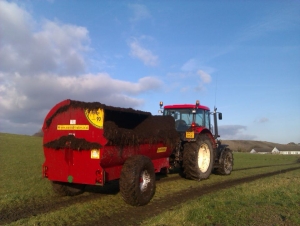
(186, 106)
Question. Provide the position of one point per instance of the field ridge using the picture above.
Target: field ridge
(248, 145)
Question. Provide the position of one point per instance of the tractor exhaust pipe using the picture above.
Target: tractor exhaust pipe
(216, 122)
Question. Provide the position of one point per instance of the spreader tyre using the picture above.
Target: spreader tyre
(226, 162)
(67, 189)
(198, 158)
(137, 180)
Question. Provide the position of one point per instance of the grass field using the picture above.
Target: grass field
(270, 201)
(273, 199)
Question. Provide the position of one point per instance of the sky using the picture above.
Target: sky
(241, 56)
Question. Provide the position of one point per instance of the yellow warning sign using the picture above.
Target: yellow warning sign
(95, 117)
(161, 149)
(72, 127)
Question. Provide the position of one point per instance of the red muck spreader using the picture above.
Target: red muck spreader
(91, 144)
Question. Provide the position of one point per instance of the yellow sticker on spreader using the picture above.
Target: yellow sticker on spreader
(73, 127)
(161, 149)
(95, 117)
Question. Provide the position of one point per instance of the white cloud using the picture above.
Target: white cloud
(140, 12)
(184, 89)
(235, 132)
(16, 23)
(205, 77)
(38, 93)
(29, 49)
(43, 65)
(200, 87)
(195, 64)
(177, 75)
(190, 65)
(145, 55)
(287, 19)
(189, 76)
(262, 120)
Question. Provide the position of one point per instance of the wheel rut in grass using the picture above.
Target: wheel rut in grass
(26, 210)
(135, 215)
(265, 166)
(29, 209)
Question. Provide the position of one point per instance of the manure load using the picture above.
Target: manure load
(92, 143)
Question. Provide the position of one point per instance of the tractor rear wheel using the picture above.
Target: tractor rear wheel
(67, 189)
(137, 180)
(226, 162)
(198, 158)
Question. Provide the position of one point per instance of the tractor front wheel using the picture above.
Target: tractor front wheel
(137, 180)
(226, 162)
(198, 158)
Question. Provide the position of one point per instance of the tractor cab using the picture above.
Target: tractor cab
(188, 115)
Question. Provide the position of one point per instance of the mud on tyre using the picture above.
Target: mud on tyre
(225, 162)
(198, 158)
(137, 180)
(67, 189)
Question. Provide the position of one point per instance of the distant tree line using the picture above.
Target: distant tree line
(39, 133)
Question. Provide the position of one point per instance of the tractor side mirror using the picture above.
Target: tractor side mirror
(220, 116)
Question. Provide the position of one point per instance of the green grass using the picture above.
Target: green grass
(270, 201)
(273, 200)
(20, 165)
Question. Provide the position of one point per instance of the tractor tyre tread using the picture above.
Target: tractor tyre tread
(130, 180)
(190, 159)
(226, 163)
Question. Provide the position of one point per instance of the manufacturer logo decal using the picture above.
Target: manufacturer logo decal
(95, 117)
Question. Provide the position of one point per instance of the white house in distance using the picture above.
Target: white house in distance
(260, 151)
(290, 151)
(275, 150)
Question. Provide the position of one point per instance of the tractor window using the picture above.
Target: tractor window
(200, 117)
(180, 114)
(184, 117)
(207, 119)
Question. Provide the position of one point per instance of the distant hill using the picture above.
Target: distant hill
(39, 134)
(248, 145)
(243, 145)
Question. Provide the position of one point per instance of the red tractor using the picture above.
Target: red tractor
(199, 151)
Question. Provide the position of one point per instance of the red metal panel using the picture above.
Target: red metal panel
(160, 163)
(114, 155)
(68, 165)
(113, 173)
